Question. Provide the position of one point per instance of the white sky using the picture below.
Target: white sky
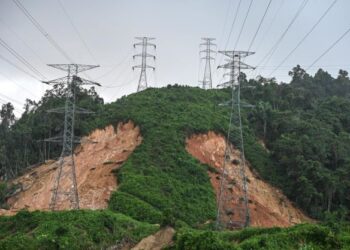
(108, 27)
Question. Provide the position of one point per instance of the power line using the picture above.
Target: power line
(117, 65)
(260, 23)
(233, 23)
(275, 46)
(22, 40)
(18, 85)
(77, 31)
(270, 24)
(17, 67)
(228, 10)
(42, 30)
(229, 35)
(293, 65)
(20, 58)
(11, 99)
(245, 19)
(133, 78)
(329, 48)
(306, 35)
(231, 29)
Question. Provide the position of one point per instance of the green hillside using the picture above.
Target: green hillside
(305, 126)
(160, 176)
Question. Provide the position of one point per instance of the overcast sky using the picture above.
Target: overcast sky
(106, 31)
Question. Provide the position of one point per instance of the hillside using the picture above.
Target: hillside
(297, 145)
(267, 205)
(99, 155)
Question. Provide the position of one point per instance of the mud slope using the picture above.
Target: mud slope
(268, 206)
(99, 154)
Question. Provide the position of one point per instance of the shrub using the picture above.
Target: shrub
(70, 230)
(134, 207)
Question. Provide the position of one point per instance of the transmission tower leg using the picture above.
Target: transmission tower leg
(56, 184)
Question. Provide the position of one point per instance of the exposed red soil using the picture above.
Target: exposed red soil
(268, 206)
(98, 155)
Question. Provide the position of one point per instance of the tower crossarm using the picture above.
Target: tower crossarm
(73, 68)
(146, 55)
(145, 44)
(67, 79)
(243, 65)
(143, 66)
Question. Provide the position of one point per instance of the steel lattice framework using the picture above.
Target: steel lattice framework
(66, 169)
(207, 78)
(240, 216)
(144, 66)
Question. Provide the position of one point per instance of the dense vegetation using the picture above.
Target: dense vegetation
(160, 172)
(101, 229)
(304, 125)
(70, 230)
(306, 237)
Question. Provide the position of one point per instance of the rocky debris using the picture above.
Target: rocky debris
(96, 180)
(157, 241)
(267, 204)
(6, 212)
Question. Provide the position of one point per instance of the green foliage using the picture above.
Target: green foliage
(306, 128)
(133, 206)
(298, 237)
(160, 172)
(204, 240)
(304, 125)
(70, 230)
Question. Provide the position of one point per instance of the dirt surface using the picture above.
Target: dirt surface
(98, 155)
(267, 205)
(157, 241)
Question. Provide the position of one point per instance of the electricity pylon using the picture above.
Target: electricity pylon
(68, 191)
(143, 66)
(207, 79)
(240, 216)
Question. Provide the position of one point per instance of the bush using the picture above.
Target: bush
(70, 230)
(297, 237)
(134, 207)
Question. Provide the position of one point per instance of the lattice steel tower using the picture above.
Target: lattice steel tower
(68, 191)
(207, 79)
(240, 216)
(143, 66)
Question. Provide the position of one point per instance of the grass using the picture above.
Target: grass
(70, 230)
(301, 237)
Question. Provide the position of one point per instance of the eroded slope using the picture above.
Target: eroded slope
(99, 154)
(268, 206)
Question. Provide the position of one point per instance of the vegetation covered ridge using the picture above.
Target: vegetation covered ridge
(304, 127)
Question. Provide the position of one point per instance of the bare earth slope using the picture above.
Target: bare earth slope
(99, 154)
(268, 206)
